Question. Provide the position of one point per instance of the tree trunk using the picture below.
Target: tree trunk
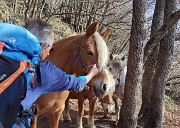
(129, 111)
(158, 94)
(149, 66)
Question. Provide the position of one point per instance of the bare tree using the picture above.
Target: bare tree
(161, 70)
(149, 66)
(115, 14)
(129, 109)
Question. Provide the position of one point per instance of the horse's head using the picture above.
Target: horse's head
(107, 101)
(92, 49)
(117, 63)
(104, 85)
(117, 66)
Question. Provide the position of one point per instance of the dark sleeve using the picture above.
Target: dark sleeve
(57, 80)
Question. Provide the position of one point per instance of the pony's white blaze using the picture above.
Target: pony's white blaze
(110, 82)
(104, 86)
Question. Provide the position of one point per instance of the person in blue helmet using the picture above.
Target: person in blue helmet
(59, 80)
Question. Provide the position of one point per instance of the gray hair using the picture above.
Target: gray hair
(41, 29)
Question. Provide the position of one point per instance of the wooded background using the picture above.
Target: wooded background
(69, 16)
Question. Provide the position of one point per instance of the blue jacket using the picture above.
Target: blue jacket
(53, 79)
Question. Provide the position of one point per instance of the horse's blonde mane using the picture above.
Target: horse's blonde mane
(101, 49)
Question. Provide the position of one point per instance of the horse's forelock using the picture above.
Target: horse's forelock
(101, 49)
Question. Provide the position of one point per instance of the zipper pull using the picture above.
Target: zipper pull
(32, 79)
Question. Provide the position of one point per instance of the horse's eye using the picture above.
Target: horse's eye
(89, 52)
(51, 50)
(110, 69)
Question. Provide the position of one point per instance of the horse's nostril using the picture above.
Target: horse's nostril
(107, 110)
(104, 87)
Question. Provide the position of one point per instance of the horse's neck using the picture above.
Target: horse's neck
(65, 42)
(64, 52)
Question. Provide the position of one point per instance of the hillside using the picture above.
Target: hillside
(62, 29)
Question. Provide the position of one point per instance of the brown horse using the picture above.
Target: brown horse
(117, 66)
(88, 93)
(73, 54)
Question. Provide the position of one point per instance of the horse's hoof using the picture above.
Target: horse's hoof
(61, 119)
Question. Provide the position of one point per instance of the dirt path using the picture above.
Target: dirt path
(172, 119)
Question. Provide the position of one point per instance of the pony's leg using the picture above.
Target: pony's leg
(92, 103)
(54, 119)
(115, 99)
(80, 112)
(51, 120)
(55, 114)
(62, 118)
(34, 123)
(66, 115)
(117, 107)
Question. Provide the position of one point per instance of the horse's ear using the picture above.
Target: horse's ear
(111, 56)
(92, 29)
(51, 50)
(26, 19)
(106, 33)
(123, 58)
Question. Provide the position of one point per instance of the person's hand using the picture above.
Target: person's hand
(92, 71)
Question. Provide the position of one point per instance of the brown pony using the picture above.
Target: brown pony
(73, 54)
(117, 66)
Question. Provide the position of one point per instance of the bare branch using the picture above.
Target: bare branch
(161, 33)
(174, 77)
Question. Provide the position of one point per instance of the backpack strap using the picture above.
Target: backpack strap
(39, 83)
(23, 64)
(1, 46)
(24, 114)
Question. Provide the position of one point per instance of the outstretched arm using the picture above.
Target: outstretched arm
(57, 80)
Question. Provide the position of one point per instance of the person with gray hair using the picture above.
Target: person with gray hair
(59, 81)
(43, 32)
